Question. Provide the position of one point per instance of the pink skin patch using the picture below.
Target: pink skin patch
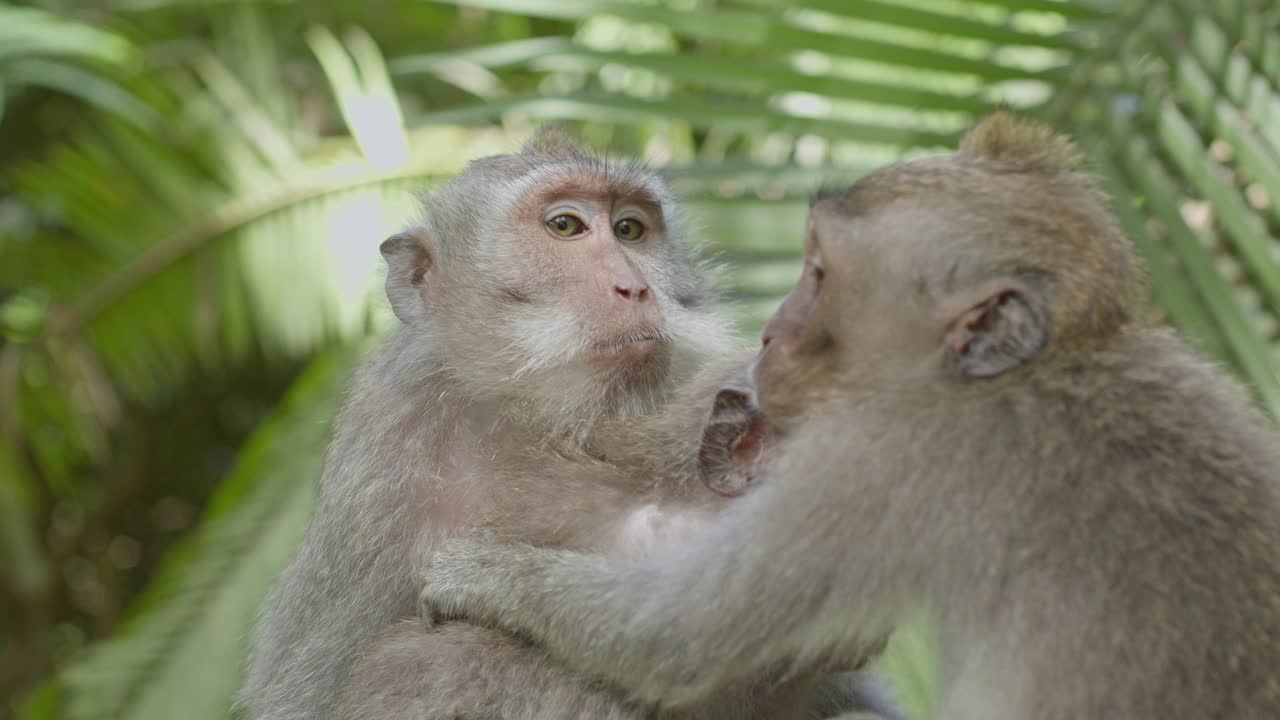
(750, 445)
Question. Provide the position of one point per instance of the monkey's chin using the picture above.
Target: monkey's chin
(633, 376)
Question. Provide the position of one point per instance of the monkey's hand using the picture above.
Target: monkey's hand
(464, 578)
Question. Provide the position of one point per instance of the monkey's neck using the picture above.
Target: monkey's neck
(498, 424)
(551, 412)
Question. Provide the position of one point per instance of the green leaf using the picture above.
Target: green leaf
(740, 117)
(27, 32)
(1247, 350)
(179, 654)
(91, 87)
(1243, 227)
(38, 48)
(21, 554)
(747, 28)
(1168, 282)
(900, 16)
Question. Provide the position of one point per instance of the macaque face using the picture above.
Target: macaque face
(592, 257)
(903, 288)
(565, 281)
(869, 310)
(558, 278)
(582, 263)
(797, 343)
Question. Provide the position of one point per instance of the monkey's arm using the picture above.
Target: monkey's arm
(793, 570)
(461, 670)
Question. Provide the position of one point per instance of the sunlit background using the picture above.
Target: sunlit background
(192, 194)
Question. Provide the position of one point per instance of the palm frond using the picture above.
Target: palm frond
(178, 655)
(1177, 116)
(805, 93)
(250, 244)
(40, 49)
(904, 75)
(20, 547)
(244, 247)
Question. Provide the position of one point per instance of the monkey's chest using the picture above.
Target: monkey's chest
(649, 526)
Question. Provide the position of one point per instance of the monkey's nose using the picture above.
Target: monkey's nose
(764, 340)
(640, 294)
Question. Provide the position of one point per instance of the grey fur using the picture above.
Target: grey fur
(1096, 531)
(456, 424)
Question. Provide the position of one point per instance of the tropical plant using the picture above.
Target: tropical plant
(198, 234)
(37, 48)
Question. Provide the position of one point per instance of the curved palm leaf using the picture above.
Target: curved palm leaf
(1178, 116)
(871, 72)
(175, 657)
(38, 48)
(244, 247)
(280, 261)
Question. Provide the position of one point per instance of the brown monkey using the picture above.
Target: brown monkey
(976, 420)
(548, 298)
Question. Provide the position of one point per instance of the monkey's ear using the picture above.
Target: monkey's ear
(1005, 329)
(733, 440)
(409, 256)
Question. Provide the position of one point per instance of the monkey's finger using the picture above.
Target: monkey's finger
(427, 611)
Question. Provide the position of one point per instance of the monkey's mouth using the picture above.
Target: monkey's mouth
(640, 343)
(635, 337)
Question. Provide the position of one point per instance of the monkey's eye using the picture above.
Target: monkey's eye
(565, 226)
(628, 229)
(818, 272)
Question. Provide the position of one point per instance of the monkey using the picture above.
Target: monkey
(460, 670)
(549, 308)
(978, 420)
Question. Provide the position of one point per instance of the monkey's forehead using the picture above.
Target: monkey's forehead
(606, 183)
(990, 190)
(590, 175)
(569, 161)
(932, 177)
(489, 197)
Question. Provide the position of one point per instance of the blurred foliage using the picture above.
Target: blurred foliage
(192, 193)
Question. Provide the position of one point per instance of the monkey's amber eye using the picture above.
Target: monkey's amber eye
(628, 229)
(565, 226)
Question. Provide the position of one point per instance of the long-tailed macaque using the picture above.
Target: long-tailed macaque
(549, 309)
(642, 480)
(977, 420)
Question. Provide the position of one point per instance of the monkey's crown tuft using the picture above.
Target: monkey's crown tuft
(1021, 145)
(553, 141)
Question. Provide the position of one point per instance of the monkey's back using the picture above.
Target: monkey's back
(1171, 545)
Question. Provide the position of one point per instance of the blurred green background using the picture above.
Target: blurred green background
(192, 193)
